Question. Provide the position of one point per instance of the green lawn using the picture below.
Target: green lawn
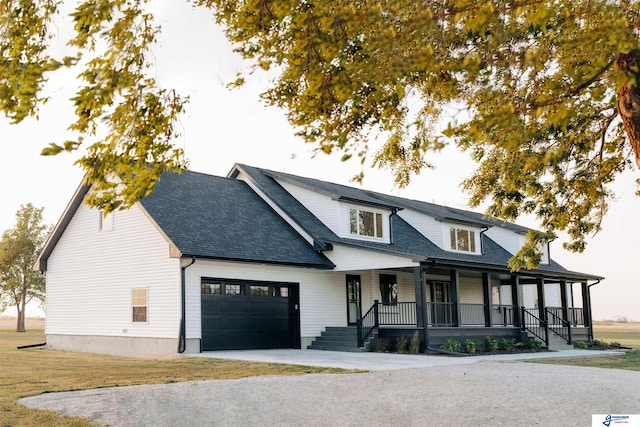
(627, 334)
(34, 371)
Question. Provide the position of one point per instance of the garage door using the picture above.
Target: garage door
(249, 315)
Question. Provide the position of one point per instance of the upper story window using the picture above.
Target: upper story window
(365, 223)
(463, 240)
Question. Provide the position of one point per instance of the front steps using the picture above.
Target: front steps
(335, 338)
(556, 343)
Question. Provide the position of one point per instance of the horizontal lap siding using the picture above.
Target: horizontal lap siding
(322, 293)
(323, 207)
(91, 273)
(426, 225)
(471, 290)
(350, 259)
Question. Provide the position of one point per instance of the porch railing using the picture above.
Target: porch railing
(557, 324)
(396, 314)
(576, 316)
(472, 314)
(440, 313)
(502, 315)
(535, 325)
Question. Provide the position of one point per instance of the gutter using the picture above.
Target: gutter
(484, 229)
(182, 340)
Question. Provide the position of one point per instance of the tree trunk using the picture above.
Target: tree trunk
(21, 306)
(20, 325)
(629, 99)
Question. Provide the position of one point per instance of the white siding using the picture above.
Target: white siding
(552, 295)
(322, 293)
(323, 207)
(470, 290)
(510, 241)
(426, 225)
(91, 273)
(346, 258)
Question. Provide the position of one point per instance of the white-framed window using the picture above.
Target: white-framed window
(365, 223)
(105, 222)
(139, 305)
(463, 240)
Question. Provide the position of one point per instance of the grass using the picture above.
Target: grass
(34, 371)
(627, 334)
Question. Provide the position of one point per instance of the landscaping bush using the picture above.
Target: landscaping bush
(470, 346)
(580, 344)
(490, 345)
(507, 344)
(402, 345)
(451, 345)
(383, 345)
(534, 345)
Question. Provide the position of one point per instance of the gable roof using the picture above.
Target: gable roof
(407, 241)
(207, 216)
(212, 217)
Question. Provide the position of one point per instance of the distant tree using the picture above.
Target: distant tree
(542, 93)
(19, 249)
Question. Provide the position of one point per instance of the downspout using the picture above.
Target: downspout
(481, 245)
(394, 211)
(182, 340)
(590, 310)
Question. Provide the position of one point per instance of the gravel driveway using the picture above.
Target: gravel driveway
(477, 394)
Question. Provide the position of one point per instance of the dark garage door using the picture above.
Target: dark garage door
(249, 315)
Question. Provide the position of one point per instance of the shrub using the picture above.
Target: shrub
(470, 346)
(534, 345)
(402, 345)
(580, 344)
(600, 344)
(490, 344)
(383, 345)
(414, 346)
(507, 344)
(451, 345)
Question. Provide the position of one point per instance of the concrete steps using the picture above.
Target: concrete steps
(335, 338)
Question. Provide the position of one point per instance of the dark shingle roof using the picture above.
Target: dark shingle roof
(407, 241)
(214, 217)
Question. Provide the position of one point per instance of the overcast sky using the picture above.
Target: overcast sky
(221, 127)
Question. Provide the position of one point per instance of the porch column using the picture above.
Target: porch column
(420, 287)
(563, 300)
(586, 304)
(542, 307)
(515, 299)
(455, 297)
(486, 292)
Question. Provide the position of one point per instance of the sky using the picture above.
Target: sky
(221, 127)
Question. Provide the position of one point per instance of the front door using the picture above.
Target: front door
(442, 314)
(353, 299)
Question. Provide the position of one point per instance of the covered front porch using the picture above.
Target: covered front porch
(459, 302)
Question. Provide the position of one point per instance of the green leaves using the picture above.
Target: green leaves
(536, 87)
(536, 78)
(19, 249)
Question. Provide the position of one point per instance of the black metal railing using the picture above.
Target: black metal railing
(440, 313)
(534, 324)
(576, 316)
(502, 315)
(367, 324)
(472, 314)
(557, 324)
(397, 314)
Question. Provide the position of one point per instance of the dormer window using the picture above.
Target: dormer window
(365, 223)
(463, 240)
